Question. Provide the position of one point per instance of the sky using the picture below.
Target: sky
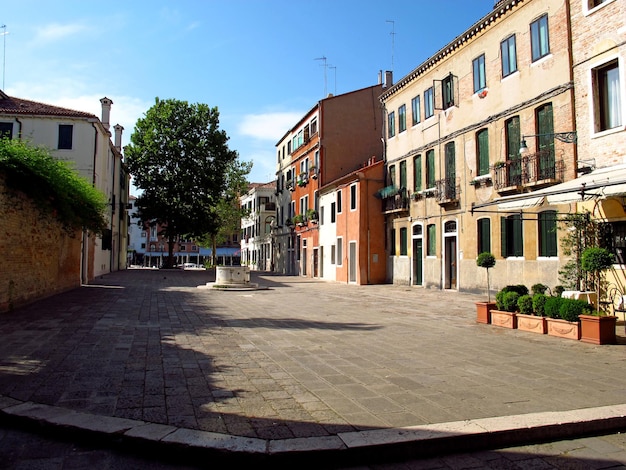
(262, 63)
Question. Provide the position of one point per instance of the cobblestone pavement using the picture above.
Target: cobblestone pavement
(301, 359)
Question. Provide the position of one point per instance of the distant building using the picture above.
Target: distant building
(256, 228)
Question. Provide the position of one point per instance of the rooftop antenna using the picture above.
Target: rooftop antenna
(4, 51)
(334, 67)
(393, 39)
(325, 65)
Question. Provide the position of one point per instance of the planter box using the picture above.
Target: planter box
(597, 330)
(504, 319)
(532, 323)
(563, 329)
(483, 311)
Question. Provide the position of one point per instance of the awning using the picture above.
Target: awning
(598, 184)
(387, 191)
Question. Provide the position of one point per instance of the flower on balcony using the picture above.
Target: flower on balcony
(483, 93)
(298, 219)
(311, 215)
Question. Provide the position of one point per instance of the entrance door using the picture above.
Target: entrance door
(352, 261)
(450, 255)
(418, 260)
(315, 262)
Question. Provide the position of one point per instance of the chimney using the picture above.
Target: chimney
(106, 112)
(380, 77)
(118, 136)
(388, 78)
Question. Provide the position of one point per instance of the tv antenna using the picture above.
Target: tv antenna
(4, 51)
(393, 39)
(325, 65)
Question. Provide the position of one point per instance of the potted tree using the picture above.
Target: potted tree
(598, 328)
(483, 309)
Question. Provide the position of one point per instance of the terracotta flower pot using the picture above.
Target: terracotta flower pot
(532, 323)
(483, 311)
(563, 329)
(597, 330)
(504, 319)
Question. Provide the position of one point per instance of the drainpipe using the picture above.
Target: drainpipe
(19, 126)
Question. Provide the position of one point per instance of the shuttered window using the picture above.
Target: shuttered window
(512, 243)
(547, 233)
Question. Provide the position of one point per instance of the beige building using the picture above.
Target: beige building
(457, 183)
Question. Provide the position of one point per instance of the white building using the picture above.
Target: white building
(84, 139)
(257, 250)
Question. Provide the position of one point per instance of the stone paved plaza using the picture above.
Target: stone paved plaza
(300, 359)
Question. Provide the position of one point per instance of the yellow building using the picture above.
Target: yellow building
(457, 183)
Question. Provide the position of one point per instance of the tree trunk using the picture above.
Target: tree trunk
(214, 250)
(170, 253)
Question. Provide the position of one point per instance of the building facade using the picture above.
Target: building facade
(85, 140)
(330, 141)
(257, 249)
(456, 130)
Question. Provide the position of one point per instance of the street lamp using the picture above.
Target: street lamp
(567, 137)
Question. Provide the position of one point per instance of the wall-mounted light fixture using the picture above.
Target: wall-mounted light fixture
(567, 137)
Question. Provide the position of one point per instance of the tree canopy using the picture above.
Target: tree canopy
(180, 159)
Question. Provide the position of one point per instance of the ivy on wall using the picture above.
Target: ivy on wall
(53, 185)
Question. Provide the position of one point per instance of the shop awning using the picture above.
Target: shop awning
(387, 191)
(598, 184)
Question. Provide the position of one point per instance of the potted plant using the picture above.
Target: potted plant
(530, 317)
(483, 309)
(311, 215)
(598, 328)
(562, 316)
(298, 220)
(313, 171)
(505, 314)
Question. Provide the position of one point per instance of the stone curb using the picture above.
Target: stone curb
(189, 445)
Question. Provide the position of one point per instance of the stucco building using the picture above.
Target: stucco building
(455, 126)
(84, 139)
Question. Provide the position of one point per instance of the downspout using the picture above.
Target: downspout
(19, 132)
(442, 238)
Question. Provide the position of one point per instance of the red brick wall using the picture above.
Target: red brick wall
(39, 258)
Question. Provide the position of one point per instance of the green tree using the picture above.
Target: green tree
(180, 159)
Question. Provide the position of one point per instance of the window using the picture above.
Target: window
(403, 242)
(608, 107)
(484, 235)
(65, 136)
(417, 173)
(508, 54)
(512, 243)
(431, 234)
(333, 256)
(450, 178)
(339, 210)
(339, 251)
(430, 169)
(512, 131)
(547, 233)
(304, 204)
(403, 184)
(332, 212)
(313, 126)
(613, 238)
(415, 109)
(545, 141)
(539, 40)
(391, 124)
(482, 151)
(322, 215)
(480, 80)
(402, 118)
(353, 197)
(447, 90)
(392, 175)
(6, 130)
(429, 103)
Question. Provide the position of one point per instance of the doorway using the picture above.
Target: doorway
(418, 255)
(450, 255)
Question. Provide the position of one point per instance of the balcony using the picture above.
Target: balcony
(448, 191)
(394, 199)
(534, 170)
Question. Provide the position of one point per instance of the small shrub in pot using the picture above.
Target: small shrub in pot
(539, 303)
(551, 307)
(525, 304)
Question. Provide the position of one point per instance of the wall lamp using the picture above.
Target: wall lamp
(567, 137)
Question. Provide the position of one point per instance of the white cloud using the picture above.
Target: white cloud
(56, 31)
(269, 126)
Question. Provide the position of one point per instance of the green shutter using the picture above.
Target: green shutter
(417, 172)
(503, 248)
(518, 239)
(483, 152)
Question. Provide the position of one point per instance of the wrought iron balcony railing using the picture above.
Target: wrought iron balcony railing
(539, 168)
(448, 190)
(398, 201)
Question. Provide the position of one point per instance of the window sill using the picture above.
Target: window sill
(591, 11)
(614, 130)
(540, 60)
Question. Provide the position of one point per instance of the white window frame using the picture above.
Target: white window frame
(353, 199)
(339, 252)
(589, 11)
(592, 96)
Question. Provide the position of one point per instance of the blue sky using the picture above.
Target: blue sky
(253, 59)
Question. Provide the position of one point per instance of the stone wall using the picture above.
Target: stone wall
(39, 258)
